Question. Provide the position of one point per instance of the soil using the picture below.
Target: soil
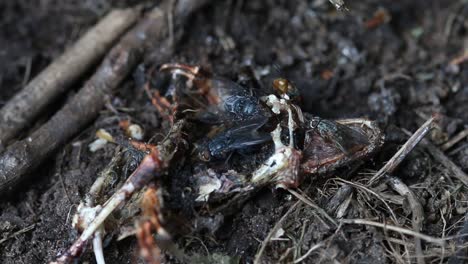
(385, 60)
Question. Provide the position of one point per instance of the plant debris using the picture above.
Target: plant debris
(289, 109)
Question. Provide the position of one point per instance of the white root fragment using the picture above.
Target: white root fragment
(103, 134)
(97, 247)
(84, 216)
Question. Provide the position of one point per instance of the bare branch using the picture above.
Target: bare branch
(64, 71)
(23, 156)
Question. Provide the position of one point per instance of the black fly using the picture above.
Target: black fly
(238, 138)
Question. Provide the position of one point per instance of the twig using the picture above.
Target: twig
(402, 230)
(438, 155)
(97, 247)
(20, 111)
(17, 233)
(152, 166)
(273, 231)
(416, 209)
(22, 156)
(454, 140)
(391, 165)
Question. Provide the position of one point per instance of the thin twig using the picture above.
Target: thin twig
(454, 140)
(20, 111)
(273, 231)
(17, 233)
(459, 59)
(391, 165)
(97, 247)
(438, 155)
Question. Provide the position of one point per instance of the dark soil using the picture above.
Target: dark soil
(396, 72)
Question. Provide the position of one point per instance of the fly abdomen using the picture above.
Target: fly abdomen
(243, 107)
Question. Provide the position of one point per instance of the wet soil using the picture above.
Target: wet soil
(385, 60)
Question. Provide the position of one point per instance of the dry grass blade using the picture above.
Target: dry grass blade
(401, 230)
(17, 233)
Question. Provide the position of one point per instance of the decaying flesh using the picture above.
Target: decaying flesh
(327, 145)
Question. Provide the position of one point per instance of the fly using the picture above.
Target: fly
(239, 138)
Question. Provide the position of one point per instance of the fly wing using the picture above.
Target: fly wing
(239, 138)
(330, 144)
(240, 141)
(346, 139)
(247, 135)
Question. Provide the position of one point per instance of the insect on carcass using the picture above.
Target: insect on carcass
(240, 123)
(233, 139)
(239, 118)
